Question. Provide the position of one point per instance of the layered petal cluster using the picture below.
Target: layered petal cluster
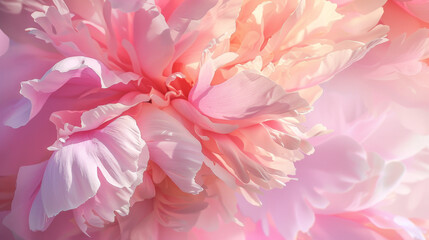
(366, 178)
(189, 119)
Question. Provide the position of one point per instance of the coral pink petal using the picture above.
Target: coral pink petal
(37, 62)
(28, 185)
(379, 182)
(226, 231)
(28, 181)
(395, 145)
(71, 176)
(5, 233)
(104, 206)
(418, 8)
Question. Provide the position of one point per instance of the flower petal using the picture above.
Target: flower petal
(171, 146)
(37, 91)
(4, 43)
(72, 172)
(154, 43)
(255, 96)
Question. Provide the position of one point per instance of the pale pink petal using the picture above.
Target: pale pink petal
(154, 43)
(257, 97)
(185, 24)
(399, 224)
(146, 190)
(171, 146)
(4, 43)
(129, 6)
(116, 151)
(38, 220)
(11, 6)
(186, 109)
(322, 170)
(177, 210)
(129, 153)
(221, 208)
(38, 91)
(14, 21)
(69, 122)
(37, 62)
(219, 21)
(401, 57)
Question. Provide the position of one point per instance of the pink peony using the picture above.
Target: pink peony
(174, 119)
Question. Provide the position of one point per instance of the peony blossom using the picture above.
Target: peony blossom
(365, 179)
(196, 119)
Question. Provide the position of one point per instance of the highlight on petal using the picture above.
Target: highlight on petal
(69, 122)
(153, 39)
(172, 147)
(37, 91)
(258, 97)
(4, 43)
(106, 163)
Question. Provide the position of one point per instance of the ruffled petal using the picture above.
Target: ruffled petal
(154, 43)
(257, 97)
(172, 147)
(4, 43)
(37, 91)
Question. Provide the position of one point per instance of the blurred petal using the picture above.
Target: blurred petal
(4, 43)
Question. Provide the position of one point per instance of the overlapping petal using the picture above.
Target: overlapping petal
(105, 163)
